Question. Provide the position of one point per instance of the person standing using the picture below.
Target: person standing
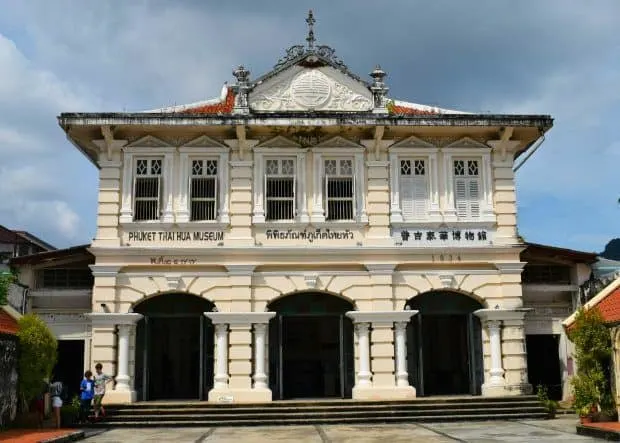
(101, 380)
(86, 396)
(55, 391)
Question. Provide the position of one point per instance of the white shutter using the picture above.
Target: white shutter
(474, 197)
(353, 198)
(216, 198)
(420, 196)
(461, 199)
(407, 196)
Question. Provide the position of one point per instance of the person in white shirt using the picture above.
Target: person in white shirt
(101, 380)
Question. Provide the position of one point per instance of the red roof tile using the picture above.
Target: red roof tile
(8, 325)
(609, 307)
(404, 110)
(223, 107)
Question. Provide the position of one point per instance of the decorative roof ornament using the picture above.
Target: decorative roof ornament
(311, 54)
(241, 90)
(311, 21)
(379, 89)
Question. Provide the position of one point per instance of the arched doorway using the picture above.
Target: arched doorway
(311, 347)
(444, 344)
(174, 348)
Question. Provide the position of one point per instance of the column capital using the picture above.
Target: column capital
(113, 319)
(502, 314)
(362, 327)
(510, 267)
(260, 327)
(380, 268)
(239, 318)
(381, 317)
(104, 270)
(243, 270)
(400, 325)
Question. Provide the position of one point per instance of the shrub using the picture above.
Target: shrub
(37, 355)
(593, 351)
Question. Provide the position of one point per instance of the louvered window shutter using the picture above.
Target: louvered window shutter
(474, 197)
(407, 196)
(420, 196)
(461, 199)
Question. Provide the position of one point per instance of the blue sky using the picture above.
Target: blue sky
(560, 57)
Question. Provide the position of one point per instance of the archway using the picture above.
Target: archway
(444, 345)
(174, 347)
(311, 347)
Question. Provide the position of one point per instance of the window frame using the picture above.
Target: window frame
(159, 199)
(467, 149)
(280, 175)
(130, 155)
(419, 150)
(187, 154)
(261, 155)
(356, 154)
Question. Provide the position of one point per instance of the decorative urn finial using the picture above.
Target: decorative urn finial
(241, 88)
(310, 21)
(378, 88)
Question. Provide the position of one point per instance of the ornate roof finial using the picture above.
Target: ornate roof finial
(310, 20)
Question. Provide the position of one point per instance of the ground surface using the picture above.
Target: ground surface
(526, 431)
(34, 435)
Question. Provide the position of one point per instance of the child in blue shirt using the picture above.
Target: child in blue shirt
(86, 396)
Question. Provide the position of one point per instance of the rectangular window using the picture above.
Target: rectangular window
(546, 274)
(413, 189)
(67, 278)
(147, 189)
(339, 192)
(280, 182)
(203, 190)
(467, 188)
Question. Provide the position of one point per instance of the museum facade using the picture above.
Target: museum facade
(306, 236)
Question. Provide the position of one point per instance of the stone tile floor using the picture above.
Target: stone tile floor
(526, 431)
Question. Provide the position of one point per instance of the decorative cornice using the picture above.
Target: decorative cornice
(112, 319)
(239, 318)
(381, 317)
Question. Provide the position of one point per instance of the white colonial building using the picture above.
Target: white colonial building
(304, 235)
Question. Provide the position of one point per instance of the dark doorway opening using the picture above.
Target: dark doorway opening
(69, 367)
(444, 345)
(311, 347)
(543, 363)
(174, 348)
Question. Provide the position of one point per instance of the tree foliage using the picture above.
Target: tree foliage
(6, 279)
(593, 352)
(38, 348)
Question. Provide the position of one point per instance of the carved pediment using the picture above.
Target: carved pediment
(279, 142)
(204, 141)
(412, 142)
(339, 142)
(149, 141)
(311, 89)
(467, 142)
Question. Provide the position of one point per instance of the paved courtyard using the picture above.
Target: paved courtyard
(526, 431)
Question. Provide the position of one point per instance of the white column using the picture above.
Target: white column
(396, 215)
(221, 372)
(364, 376)
(402, 377)
(302, 202)
(260, 376)
(224, 181)
(122, 375)
(497, 371)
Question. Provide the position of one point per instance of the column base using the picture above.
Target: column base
(384, 393)
(240, 396)
(119, 397)
(496, 389)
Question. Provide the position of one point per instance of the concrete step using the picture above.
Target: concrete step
(325, 420)
(310, 408)
(270, 415)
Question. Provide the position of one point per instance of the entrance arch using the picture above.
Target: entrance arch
(444, 344)
(311, 347)
(174, 347)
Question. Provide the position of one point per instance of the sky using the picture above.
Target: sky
(557, 57)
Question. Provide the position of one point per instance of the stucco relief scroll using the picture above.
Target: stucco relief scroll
(307, 91)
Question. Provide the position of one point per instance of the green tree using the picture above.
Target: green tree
(38, 348)
(6, 278)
